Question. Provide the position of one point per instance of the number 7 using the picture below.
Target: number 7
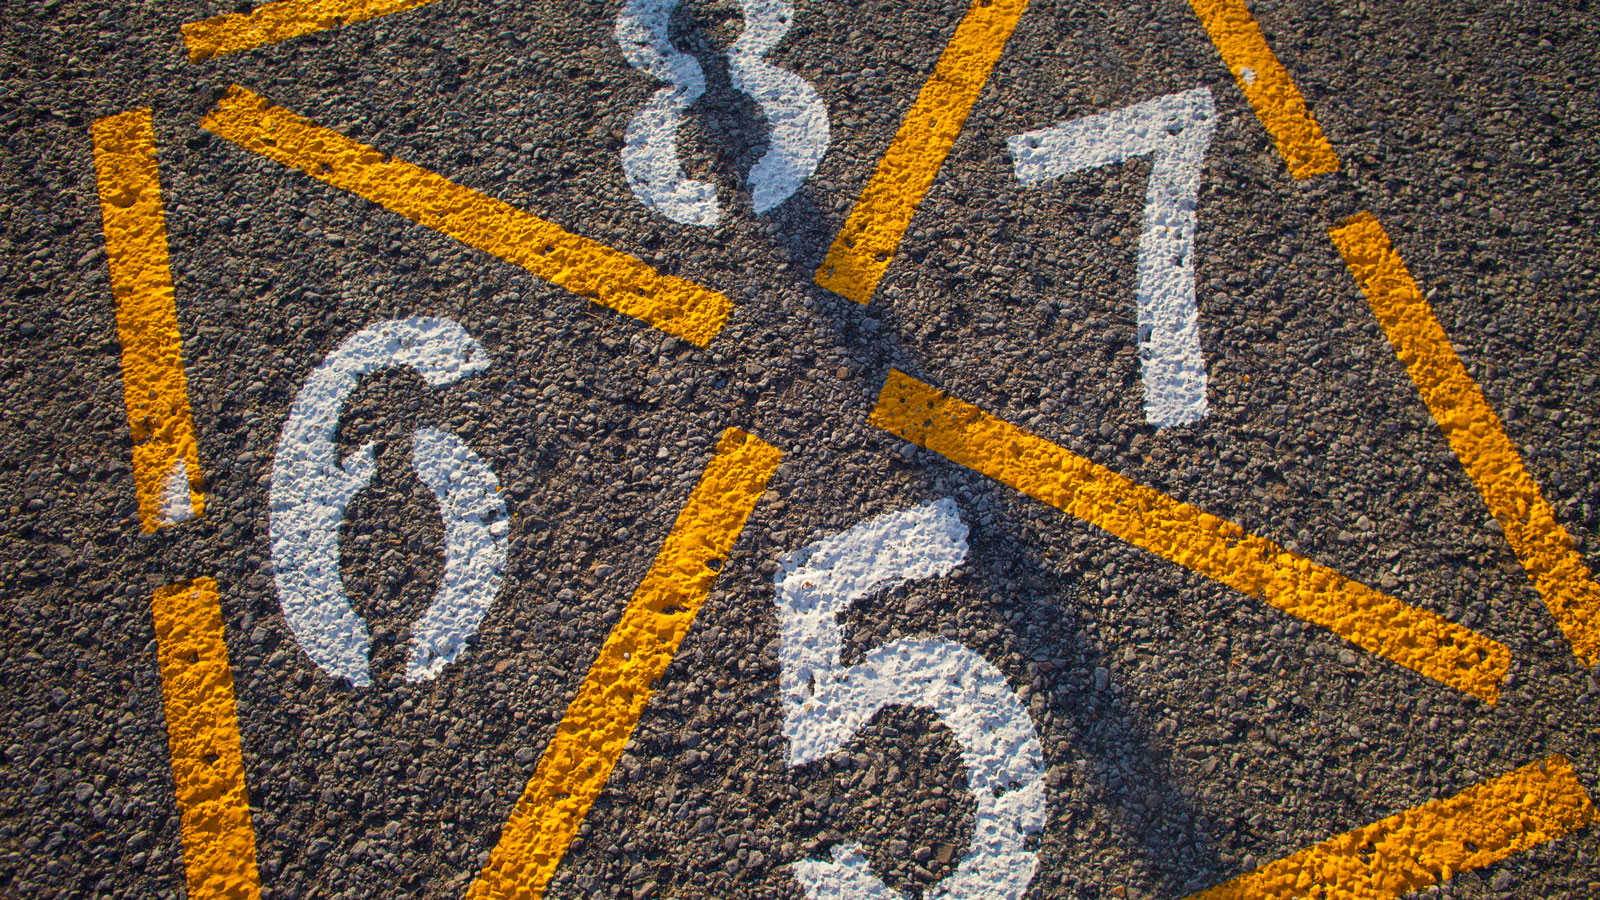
(1174, 131)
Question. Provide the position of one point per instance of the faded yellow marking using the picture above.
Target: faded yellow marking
(219, 843)
(1434, 842)
(585, 267)
(1268, 87)
(281, 21)
(597, 725)
(1475, 433)
(1213, 547)
(166, 456)
(864, 247)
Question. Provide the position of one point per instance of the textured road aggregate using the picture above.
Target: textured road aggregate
(1190, 732)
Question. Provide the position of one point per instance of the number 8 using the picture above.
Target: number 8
(825, 703)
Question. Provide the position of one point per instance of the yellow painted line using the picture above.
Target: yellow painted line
(166, 456)
(1475, 433)
(1213, 547)
(219, 843)
(1434, 842)
(863, 248)
(597, 725)
(585, 267)
(1268, 87)
(281, 21)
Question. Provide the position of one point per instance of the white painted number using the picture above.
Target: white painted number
(825, 703)
(796, 116)
(1174, 132)
(311, 489)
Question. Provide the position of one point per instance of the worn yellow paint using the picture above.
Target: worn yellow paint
(219, 842)
(864, 247)
(281, 21)
(1475, 433)
(1431, 843)
(600, 719)
(166, 456)
(587, 268)
(1268, 87)
(1213, 547)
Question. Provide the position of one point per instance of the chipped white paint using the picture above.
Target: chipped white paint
(177, 505)
(311, 488)
(826, 703)
(1174, 131)
(796, 117)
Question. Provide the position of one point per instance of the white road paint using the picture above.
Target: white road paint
(796, 116)
(1174, 131)
(475, 529)
(826, 703)
(311, 488)
(650, 148)
(176, 503)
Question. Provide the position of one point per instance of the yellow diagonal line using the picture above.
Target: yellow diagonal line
(166, 456)
(864, 247)
(1431, 843)
(1268, 87)
(587, 268)
(1213, 547)
(1475, 433)
(219, 842)
(597, 725)
(281, 21)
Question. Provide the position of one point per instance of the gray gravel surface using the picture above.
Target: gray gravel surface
(1190, 732)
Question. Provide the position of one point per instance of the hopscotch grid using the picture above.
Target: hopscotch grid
(1246, 80)
(1299, 140)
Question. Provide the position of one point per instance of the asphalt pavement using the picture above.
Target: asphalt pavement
(1190, 731)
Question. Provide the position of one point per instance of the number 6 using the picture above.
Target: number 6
(825, 703)
(312, 487)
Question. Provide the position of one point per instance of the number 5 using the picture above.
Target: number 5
(825, 703)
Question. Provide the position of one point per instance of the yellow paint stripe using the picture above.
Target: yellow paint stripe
(1213, 547)
(281, 21)
(1475, 433)
(1434, 842)
(863, 248)
(587, 268)
(166, 456)
(1268, 87)
(219, 842)
(597, 725)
